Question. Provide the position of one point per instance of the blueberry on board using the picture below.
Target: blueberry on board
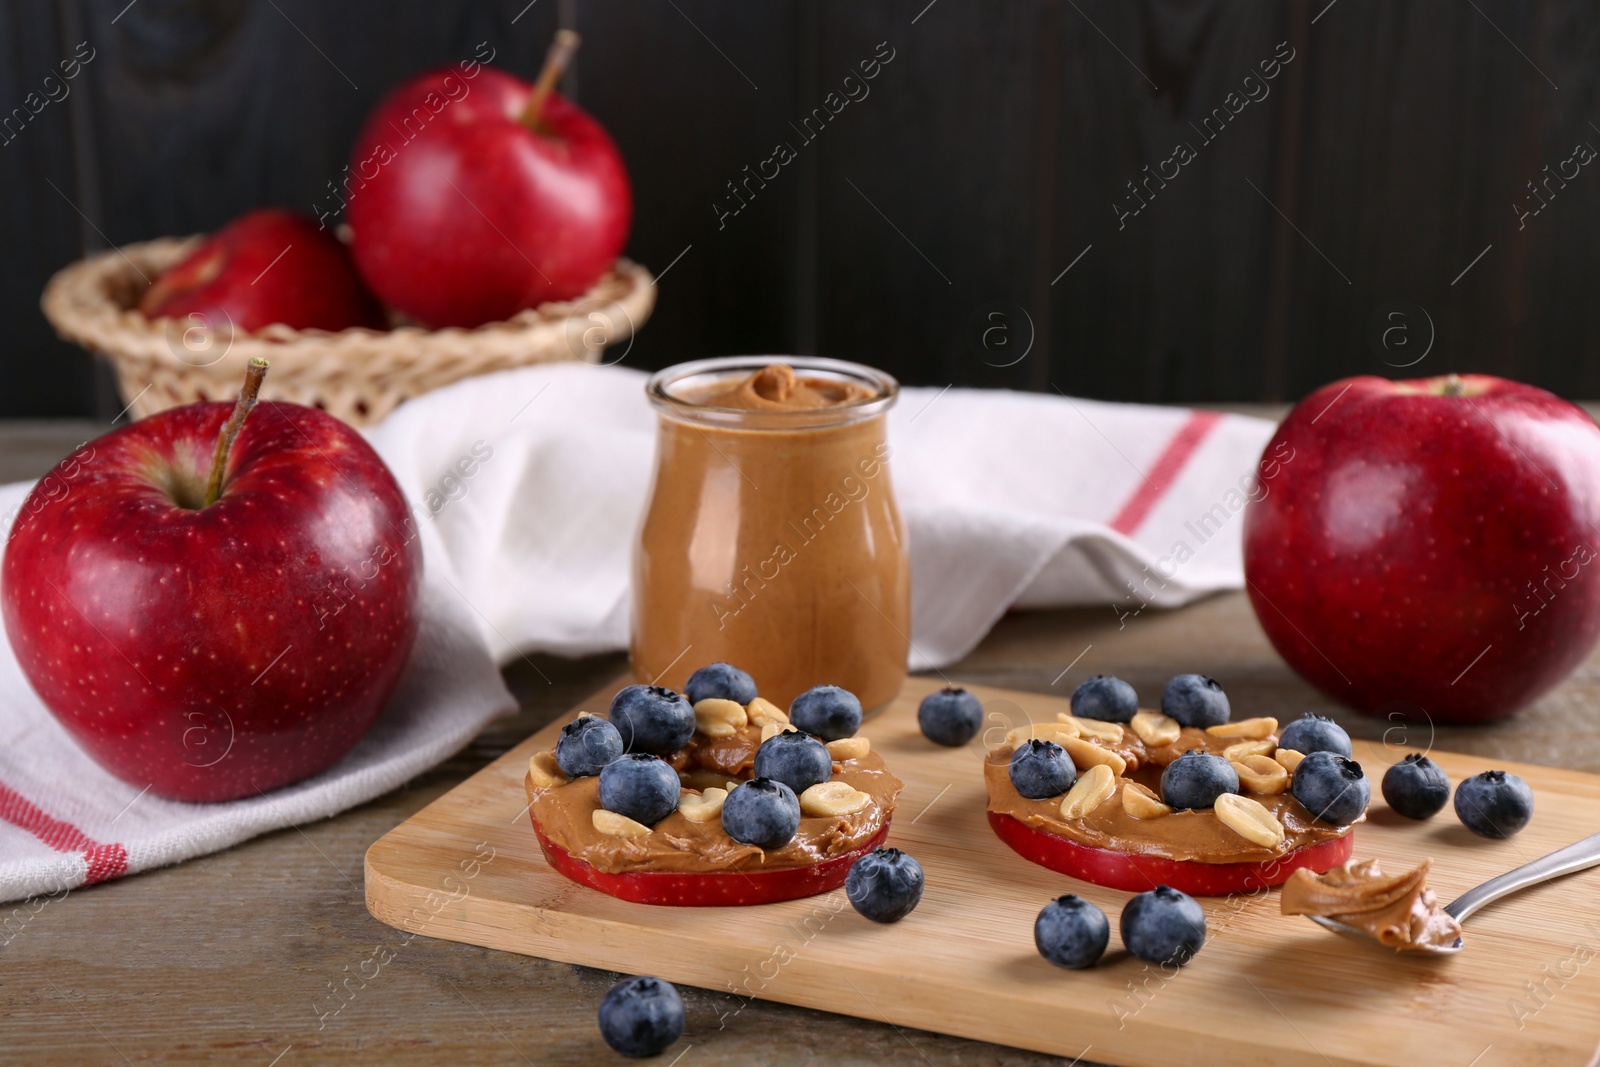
(1416, 787)
(761, 812)
(641, 1016)
(1195, 700)
(652, 718)
(950, 716)
(884, 885)
(1494, 804)
(587, 744)
(1331, 787)
(1196, 779)
(1105, 698)
(1042, 769)
(1315, 733)
(643, 787)
(797, 760)
(1071, 932)
(1163, 926)
(720, 680)
(827, 711)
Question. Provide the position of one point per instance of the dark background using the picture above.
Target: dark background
(950, 201)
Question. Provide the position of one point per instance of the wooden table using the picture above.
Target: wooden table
(228, 957)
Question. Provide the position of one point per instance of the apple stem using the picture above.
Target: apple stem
(1453, 386)
(555, 62)
(254, 373)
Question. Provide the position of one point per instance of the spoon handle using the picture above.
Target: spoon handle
(1575, 857)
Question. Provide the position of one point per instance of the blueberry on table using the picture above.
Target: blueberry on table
(950, 717)
(645, 788)
(1163, 926)
(1105, 698)
(827, 711)
(1071, 932)
(1315, 733)
(884, 885)
(1196, 779)
(1195, 700)
(1331, 787)
(587, 744)
(652, 718)
(641, 1016)
(797, 760)
(1042, 769)
(720, 680)
(1494, 804)
(1416, 787)
(761, 812)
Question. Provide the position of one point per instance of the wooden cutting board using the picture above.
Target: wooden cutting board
(1266, 989)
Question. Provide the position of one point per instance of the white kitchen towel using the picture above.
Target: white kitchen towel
(536, 478)
(64, 822)
(528, 486)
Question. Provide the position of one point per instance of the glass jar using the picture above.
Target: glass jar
(771, 539)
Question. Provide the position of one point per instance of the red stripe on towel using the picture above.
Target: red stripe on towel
(1151, 488)
(104, 861)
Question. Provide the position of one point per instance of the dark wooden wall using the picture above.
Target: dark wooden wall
(926, 229)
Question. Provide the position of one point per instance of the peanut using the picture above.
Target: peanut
(613, 825)
(761, 711)
(1139, 802)
(1088, 754)
(1254, 729)
(1240, 749)
(773, 729)
(1262, 774)
(1092, 789)
(849, 748)
(716, 717)
(704, 806)
(1154, 728)
(1250, 820)
(544, 770)
(1289, 758)
(833, 798)
(1100, 731)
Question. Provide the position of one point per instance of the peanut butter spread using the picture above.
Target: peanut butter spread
(777, 387)
(1198, 835)
(1397, 909)
(564, 816)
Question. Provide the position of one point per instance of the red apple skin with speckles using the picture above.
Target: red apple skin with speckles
(213, 652)
(1426, 554)
(462, 214)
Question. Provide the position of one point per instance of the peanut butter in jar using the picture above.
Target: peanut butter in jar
(771, 539)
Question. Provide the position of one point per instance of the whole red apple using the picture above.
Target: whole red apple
(213, 644)
(1428, 547)
(266, 266)
(467, 209)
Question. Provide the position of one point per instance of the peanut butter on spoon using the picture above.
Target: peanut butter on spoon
(1399, 910)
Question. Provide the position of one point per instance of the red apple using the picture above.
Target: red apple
(209, 650)
(1428, 547)
(265, 266)
(475, 195)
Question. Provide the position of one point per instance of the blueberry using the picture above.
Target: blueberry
(1416, 787)
(1105, 698)
(761, 812)
(1195, 700)
(797, 760)
(1163, 926)
(722, 680)
(641, 1016)
(1494, 804)
(1314, 733)
(827, 711)
(1331, 787)
(645, 788)
(1196, 779)
(587, 744)
(1042, 769)
(950, 717)
(652, 719)
(884, 885)
(1071, 932)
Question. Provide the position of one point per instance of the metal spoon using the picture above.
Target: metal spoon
(1578, 856)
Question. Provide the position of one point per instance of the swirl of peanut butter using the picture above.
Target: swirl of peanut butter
(1397, 909)
(776, 387)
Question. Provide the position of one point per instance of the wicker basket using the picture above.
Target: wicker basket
(360, 375)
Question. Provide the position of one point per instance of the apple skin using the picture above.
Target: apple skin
(266, 266)
(471, 216)
(1405, 531)
(216, 652)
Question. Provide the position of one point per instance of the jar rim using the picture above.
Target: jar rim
(884, 391)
